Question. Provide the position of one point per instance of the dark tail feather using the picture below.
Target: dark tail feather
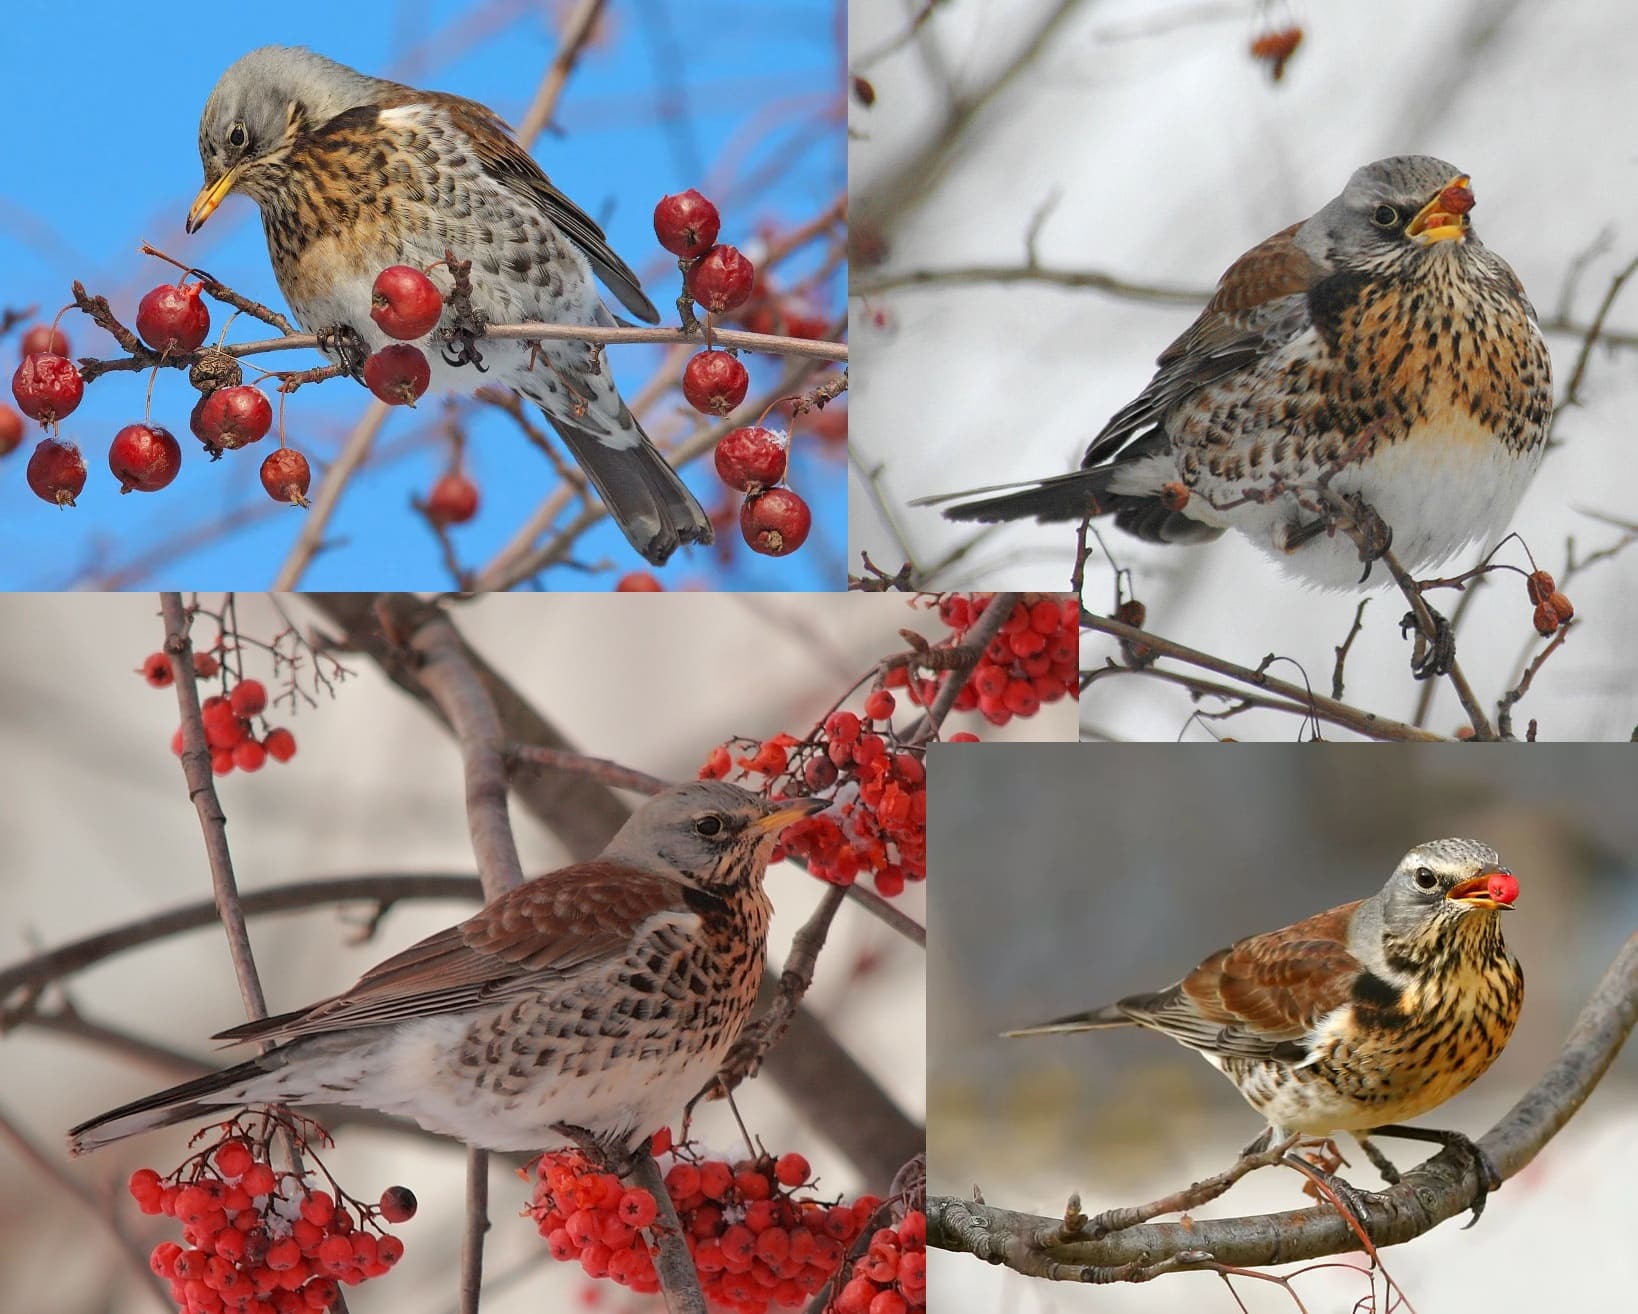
(1062, 497)
(178, 1104)
(1098, 1018)
(645, 496)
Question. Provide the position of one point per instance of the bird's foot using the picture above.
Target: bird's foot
(466, 323)
(343, 343)
(1323, 1183)
(1429, 660)
(610, 1155)
(1484, 1167)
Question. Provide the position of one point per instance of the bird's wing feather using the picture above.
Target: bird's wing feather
(572, 922)
(502, 158)
(1261, 995)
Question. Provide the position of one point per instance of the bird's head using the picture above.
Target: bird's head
(256, 112)
(708, 833)
(1390, 213)
(1449, 878)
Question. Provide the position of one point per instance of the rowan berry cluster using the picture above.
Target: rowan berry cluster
(758, 1237)
(229, 717)
(878, 821)
(259, 1241)
(773, 519)
(891, 1276)
(1035, 658)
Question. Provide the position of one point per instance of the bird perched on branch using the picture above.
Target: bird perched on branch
(586, 1006)
(1356, 1018)
(1377, 350)
(354, 174)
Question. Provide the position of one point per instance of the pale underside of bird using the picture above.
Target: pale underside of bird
(599, 998)
(353, 174)
(1377, 350)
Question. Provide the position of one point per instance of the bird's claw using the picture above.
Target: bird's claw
(343, 343)
(1431, 660)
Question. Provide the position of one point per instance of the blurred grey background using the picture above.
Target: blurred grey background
(1068, 877)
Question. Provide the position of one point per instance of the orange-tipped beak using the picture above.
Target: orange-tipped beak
(1444, 218)
(789, 810)
(1492, 889)
(210, 196)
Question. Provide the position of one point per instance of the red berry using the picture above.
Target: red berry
(879, 706)
(56, 472)
(258, 1178)
(405, 303)
(398, 375)
(714, 382)
(398, 1204)
(721, 280)
(249, 697)
(43, 337)
(47, 387)
(248, 755)
(318, 1207)
(204, 665)
(156, 670)
(751, 458)
(637, 1209)
(233, 1158)
(320, 1293)
(454, 499)
(775, 523)
(173, 319)
(286, 476)
(791, 1170)
(639, 581)
(144, 458)
(686, 224)
(234, 417)
(11, 430)
(280, 744)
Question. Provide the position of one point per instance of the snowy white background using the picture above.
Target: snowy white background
(1170, 152)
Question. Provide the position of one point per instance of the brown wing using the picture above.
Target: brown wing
(551, 928)
(1260, 995)
(509, 164)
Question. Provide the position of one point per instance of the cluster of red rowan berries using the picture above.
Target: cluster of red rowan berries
(891, 1276)
(755, 1241)
(1034, 659)
(773, 519)
(1553, 609)
(258, 1241)
(878, 821)
(228, 718)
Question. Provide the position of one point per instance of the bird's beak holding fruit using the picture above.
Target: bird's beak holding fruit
(1444, 218)
(1494, 889)
(210, 196)
(787, 811)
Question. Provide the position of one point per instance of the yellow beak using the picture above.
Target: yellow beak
(795, 809)
(1436, 221)
(210, 196)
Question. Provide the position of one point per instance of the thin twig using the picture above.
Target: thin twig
(354, 453)
(477, 1223)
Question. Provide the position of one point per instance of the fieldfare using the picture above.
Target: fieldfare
(587, 1005)
(1355, 1018)
(1378, 350)
(354, 173)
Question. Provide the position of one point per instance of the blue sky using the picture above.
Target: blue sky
(101, 154)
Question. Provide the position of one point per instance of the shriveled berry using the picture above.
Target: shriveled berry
(173, 320)
(398, 1204)
(714, 382)
(286, 476)
(751, 458)
(775, 523)
(638, 581)
(398, 374)
(56, 472)
(144, 458)
(11, 431)
(43, 337)
(686, 223)
(47, 387)
(722, 279)
(1546, 619)
(205, 665)
(1562, 607)
(405, 303)
(233, 417)
(453, 500)
(1539, 585)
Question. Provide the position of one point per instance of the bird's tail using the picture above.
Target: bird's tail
(1061, 497)
(1095, 1020)
(646, 497)
(192, 1099)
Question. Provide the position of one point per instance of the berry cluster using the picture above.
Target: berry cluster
(878, 823)
(756, 1243)
(1553, 609)
(752, 460)
(891, 1276)
(1035, 658)
(228, 717)
(258, 1241)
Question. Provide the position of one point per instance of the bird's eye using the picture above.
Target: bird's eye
(708, 825)
(237, 136)
(1385, 216)
(1425, 879)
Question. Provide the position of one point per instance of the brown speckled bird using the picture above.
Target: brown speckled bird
(591, 1003)
(353, 174)
(1378, 349)
(1356, 1018)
